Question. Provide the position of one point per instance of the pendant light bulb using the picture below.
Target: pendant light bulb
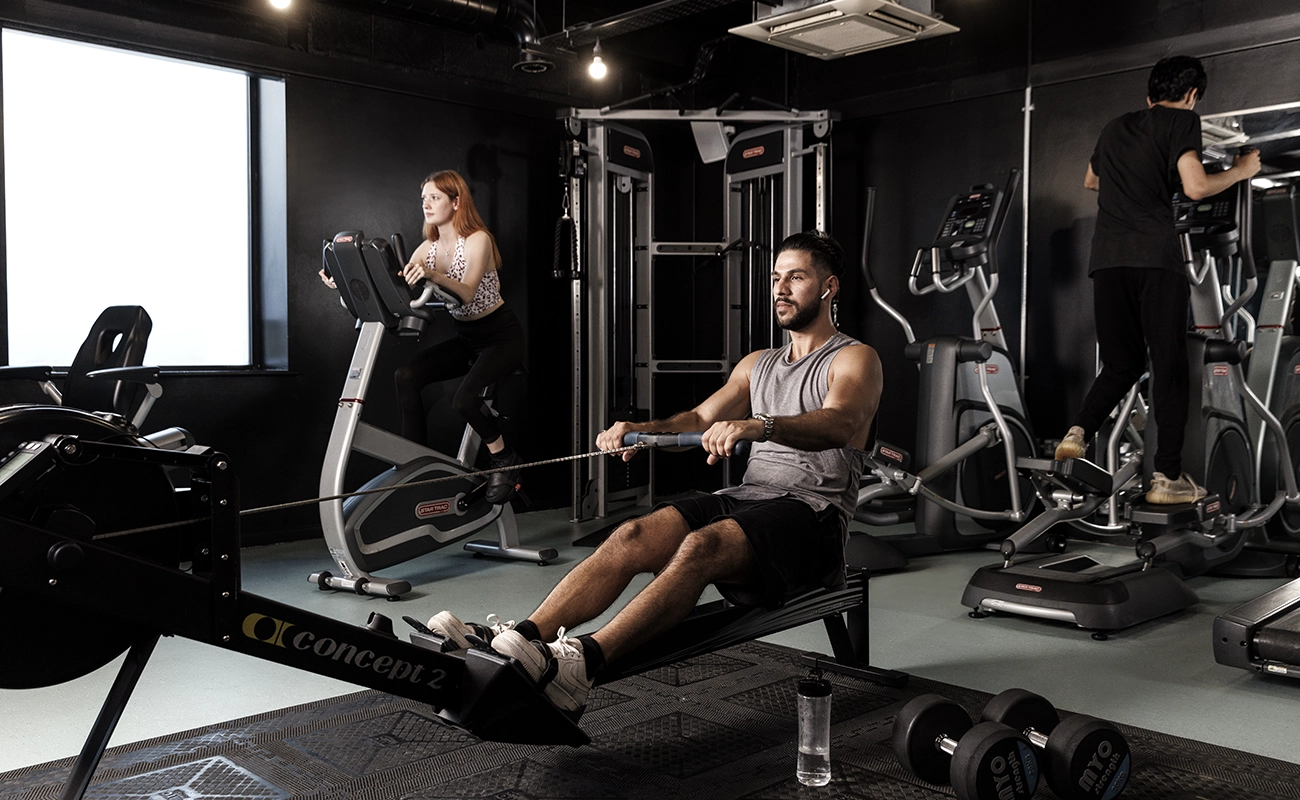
(597, 70)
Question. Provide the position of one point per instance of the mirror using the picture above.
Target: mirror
(1274, 130)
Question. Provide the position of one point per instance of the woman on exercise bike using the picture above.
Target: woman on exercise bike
(461, 256)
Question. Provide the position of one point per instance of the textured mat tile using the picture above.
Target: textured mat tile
(719, 726)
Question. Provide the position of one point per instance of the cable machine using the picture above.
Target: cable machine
(609, 170)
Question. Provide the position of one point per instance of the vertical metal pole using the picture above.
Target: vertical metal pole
(580, 467)
(643, 290)
(774, 235)
(629, 309)
(751, 260)
(597, 327)
(823, 176)
(1024, 238)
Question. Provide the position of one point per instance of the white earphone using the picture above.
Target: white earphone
(823, 297)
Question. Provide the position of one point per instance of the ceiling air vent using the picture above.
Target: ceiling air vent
(838, 28)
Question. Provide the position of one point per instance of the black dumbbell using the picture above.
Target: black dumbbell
(935, 739)
(1086, 758)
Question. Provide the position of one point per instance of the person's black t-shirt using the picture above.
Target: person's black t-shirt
(1136, 161)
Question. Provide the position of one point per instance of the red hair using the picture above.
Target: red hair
(466, 220)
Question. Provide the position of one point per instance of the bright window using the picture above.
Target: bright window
(126, 183)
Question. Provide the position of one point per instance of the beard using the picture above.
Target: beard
(803, 316)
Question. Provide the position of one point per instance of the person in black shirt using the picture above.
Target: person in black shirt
(1140, 289)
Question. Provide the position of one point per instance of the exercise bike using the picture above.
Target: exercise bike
(971, 423)
(382, 528)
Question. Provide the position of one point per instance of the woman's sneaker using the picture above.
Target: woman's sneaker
(501, 486)
(558, 668)
(1072, 446)
(465, 635)
(1167, 492)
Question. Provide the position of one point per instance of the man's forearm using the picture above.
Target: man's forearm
(1220, 181)
(824, 429)
(683, 422)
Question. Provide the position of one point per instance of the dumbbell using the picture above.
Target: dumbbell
(935, 739)
(1086, 758)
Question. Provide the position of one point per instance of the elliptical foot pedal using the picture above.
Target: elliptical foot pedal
(1077, 475)
(1182, 515)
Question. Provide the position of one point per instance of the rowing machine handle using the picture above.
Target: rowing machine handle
(676, 440)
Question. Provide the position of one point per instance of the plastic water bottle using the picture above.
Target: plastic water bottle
(814, 701)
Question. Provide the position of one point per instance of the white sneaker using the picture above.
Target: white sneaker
(1165, 491)
(1072, 446)
(558, 668)
(445, 624)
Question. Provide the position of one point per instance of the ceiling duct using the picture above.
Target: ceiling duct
(516, 16)
(828, 29)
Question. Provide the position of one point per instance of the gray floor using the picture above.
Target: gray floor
(1160, 676)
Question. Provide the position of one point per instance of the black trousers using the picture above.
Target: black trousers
(483, 350)
(1139, 311)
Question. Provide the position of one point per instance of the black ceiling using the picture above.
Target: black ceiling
(1000, 42)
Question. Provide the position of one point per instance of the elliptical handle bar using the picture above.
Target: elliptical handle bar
(1248, 272)
(866, 238)
(866, 269)
(1004, 208)
(693, 439)
(1245, 222)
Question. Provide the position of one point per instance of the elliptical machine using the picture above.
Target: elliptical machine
(1171, 541)
(969, 398)
(377, 530)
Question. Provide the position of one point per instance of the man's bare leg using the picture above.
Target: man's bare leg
(644, 544)
(719, 552)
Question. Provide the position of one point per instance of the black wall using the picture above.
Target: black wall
(917, 160)
(374, 104)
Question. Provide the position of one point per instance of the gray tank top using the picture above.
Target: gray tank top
(819, 478)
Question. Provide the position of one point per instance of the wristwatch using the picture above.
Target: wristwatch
(769, 422)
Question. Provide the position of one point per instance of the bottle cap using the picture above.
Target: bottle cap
(815, 687)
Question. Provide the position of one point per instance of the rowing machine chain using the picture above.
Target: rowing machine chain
(360, 492)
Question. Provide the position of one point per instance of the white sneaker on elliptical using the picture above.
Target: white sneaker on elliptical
(1072, 446)
(445, 624)
(558, 668)
(1165, 491)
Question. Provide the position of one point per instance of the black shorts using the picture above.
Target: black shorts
(797, 548)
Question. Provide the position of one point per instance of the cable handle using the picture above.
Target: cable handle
(692, 439)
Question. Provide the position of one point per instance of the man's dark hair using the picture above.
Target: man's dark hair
(1171, 79)
(826, 254)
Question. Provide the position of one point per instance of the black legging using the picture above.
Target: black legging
(483, 350)
(1140, 310)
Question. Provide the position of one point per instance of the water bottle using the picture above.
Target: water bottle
(814, 765)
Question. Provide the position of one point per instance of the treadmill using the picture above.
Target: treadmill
(1263, 634)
